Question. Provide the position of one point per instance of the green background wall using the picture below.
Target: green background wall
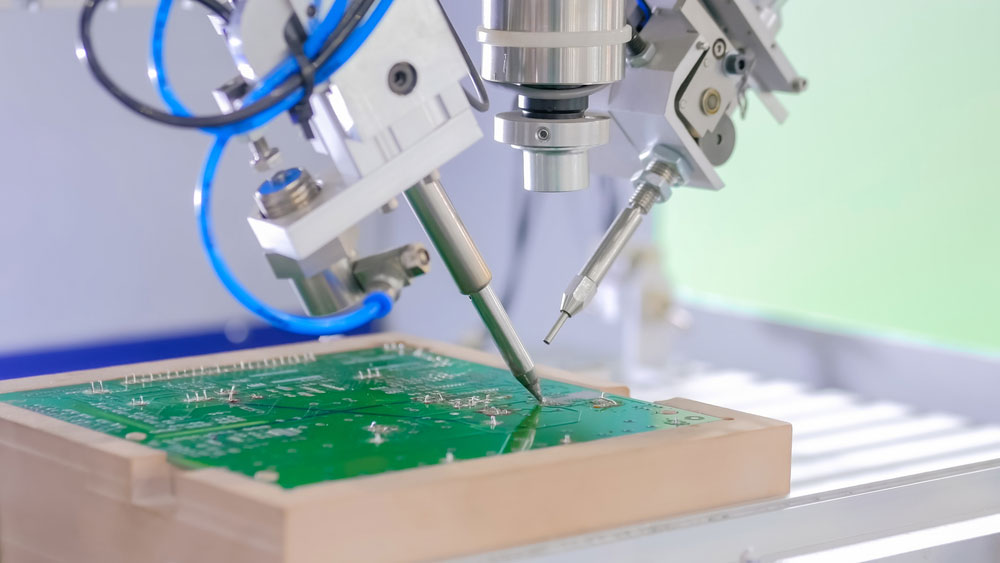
(877, 204)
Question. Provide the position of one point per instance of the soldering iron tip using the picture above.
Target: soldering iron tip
(563, 317)
(536, 390)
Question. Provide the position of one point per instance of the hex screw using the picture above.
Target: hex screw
(402, 78)
(719, 48)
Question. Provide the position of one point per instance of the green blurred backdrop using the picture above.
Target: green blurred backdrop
(876, 205)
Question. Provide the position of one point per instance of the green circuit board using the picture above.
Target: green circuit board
(305, 419)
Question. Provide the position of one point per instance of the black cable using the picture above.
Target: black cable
(353, 17)
(218, 8)
(350, 22)
(481, 102)
(197, 122)
(295, 37)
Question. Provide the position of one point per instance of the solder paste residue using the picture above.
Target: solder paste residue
(297, 420)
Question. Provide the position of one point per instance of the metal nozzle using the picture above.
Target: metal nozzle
(584, 285)
(653, 185)
(563, 317)
(513, 351)
(533, 385)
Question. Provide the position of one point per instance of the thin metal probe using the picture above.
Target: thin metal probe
(563, 317)
(444, 227)
(583, 286)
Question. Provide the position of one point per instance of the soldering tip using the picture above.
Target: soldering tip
(530, 382)
(563, 317)
(535, 388)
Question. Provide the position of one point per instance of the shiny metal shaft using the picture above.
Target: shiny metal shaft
(592, 59)
(495, 318)
(444, 227)
(583, 286)
(327, 293)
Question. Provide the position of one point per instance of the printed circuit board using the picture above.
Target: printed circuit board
(306, 419)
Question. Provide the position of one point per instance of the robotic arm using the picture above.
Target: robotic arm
(691, 64)
(388, 118)
(376, 86)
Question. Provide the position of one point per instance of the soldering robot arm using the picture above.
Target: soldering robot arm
(691, 64)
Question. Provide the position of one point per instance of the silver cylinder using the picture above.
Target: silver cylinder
(618, 235)
(555, 150)
(287, 192)
(495, 318)
(444, 227)
(556, 171)
(327, 292)
(554, 42)
(583, 286)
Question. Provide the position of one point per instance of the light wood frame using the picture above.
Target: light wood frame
(68, 493)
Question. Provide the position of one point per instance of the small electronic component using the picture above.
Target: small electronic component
(603, 402)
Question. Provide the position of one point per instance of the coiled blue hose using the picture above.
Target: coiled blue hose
(377, 304)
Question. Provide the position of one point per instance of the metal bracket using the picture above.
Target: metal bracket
(393, 270)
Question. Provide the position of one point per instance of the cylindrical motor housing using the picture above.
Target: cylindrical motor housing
(554, 43)
(555, 54)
